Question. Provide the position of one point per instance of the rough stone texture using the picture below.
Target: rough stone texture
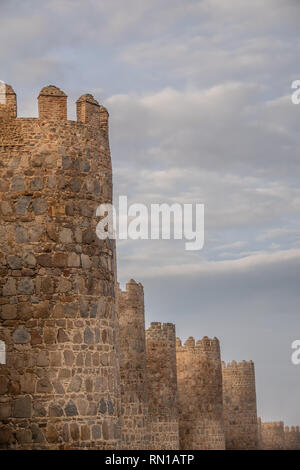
(58, 309)
(199, 372)
(273, 436)
(162, 386)
(60, 344)
(133, 367)
(292, 437)
(239, 405)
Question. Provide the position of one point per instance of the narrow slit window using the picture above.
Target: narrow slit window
(2, 353)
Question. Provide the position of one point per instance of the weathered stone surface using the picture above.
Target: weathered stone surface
(55, 410)
(74, 431)
(239, 404)
(3, 384)
(44, 386)
(161, 375)
(22, 407)
(71, 409)
(53, 275)
(199, 377)
(88, 336)
(102, 406)
(10, 287)
(52, 435)
(21, 336)
(75, 384)
(26, 286)
(14, 262)
(40, 206)
(96, 432)
(22, 205)
(37, 434)
(24, 436)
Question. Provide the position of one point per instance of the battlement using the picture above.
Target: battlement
(291, 429)
(161, 331)
(199, 376)
(239, 403)
(162, 386)
(273, 435)
(8, 102)
(52, 106)
(243, 365)
(292, 437)
(273, 424)
(132, 287)
(62, 344)
(202, 345)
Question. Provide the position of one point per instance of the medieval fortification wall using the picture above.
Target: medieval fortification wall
(199, 370)
(239, 405)
(59, 386)
(77, 368)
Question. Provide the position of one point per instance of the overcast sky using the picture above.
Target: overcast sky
(199, 95)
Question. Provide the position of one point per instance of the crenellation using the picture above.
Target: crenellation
(8, 102)
(78, 370)
(273, 435)
(52, 103)
(58, 308)
(199, 372)
(292, 437)
(133, 367)
(162, 386)
(239, 404)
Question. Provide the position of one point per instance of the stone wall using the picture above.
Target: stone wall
(133, 367)
(272, 436)
(199, 373)
(60, 386)
(162, 386)
(239, 405)
(292, 437)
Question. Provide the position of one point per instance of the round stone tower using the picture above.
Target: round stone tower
(273, 436)
(59, 383)
(292, 437)
(133, 367)
(162, 386)
(239, 405)
(199, 373)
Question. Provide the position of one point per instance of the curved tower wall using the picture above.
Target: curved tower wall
(60, 386)
(199, 375)
(273, 436)
(292, 437)
(239, 405)
(162, 386)
(133, 367)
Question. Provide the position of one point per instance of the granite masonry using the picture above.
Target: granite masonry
(134, 397)
(162, 386)
(239, 404)
(199, 371)
(273, 436)
(78, 369)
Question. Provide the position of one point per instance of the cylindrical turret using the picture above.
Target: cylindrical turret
(133, 367)
(292, 438)
(60, 385)
(272, 436)
(199, 375)
(239, 404)
(162, 386)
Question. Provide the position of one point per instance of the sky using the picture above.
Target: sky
(199, 96)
